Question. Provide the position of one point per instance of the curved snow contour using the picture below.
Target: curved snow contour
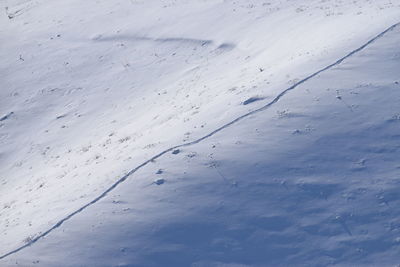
(266, 106)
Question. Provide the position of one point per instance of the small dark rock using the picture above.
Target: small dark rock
(5, 117)
(159, 181)
(252, 99)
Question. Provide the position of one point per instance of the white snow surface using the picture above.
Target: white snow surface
(91, 90)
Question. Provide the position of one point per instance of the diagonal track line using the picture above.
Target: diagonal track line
(266, 106)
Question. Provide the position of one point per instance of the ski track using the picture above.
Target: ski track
(266, 106)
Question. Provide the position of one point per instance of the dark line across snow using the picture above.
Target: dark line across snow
(266, 106)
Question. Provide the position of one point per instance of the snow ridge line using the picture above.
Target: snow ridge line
(266, 106)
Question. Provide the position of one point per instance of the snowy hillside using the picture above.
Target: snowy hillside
(199, 133)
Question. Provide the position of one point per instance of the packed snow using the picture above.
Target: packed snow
(199, 133)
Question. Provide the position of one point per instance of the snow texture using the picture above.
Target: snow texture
(199, 133)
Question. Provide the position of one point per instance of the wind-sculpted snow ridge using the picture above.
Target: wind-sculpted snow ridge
(134, 38)
(179, 40)
(171, 149)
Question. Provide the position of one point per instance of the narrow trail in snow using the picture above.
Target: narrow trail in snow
(123, 178)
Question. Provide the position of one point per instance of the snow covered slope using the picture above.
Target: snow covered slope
(92, 89)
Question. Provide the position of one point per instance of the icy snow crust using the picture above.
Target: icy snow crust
(90, 90)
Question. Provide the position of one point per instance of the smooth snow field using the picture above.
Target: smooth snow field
(221, 133)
